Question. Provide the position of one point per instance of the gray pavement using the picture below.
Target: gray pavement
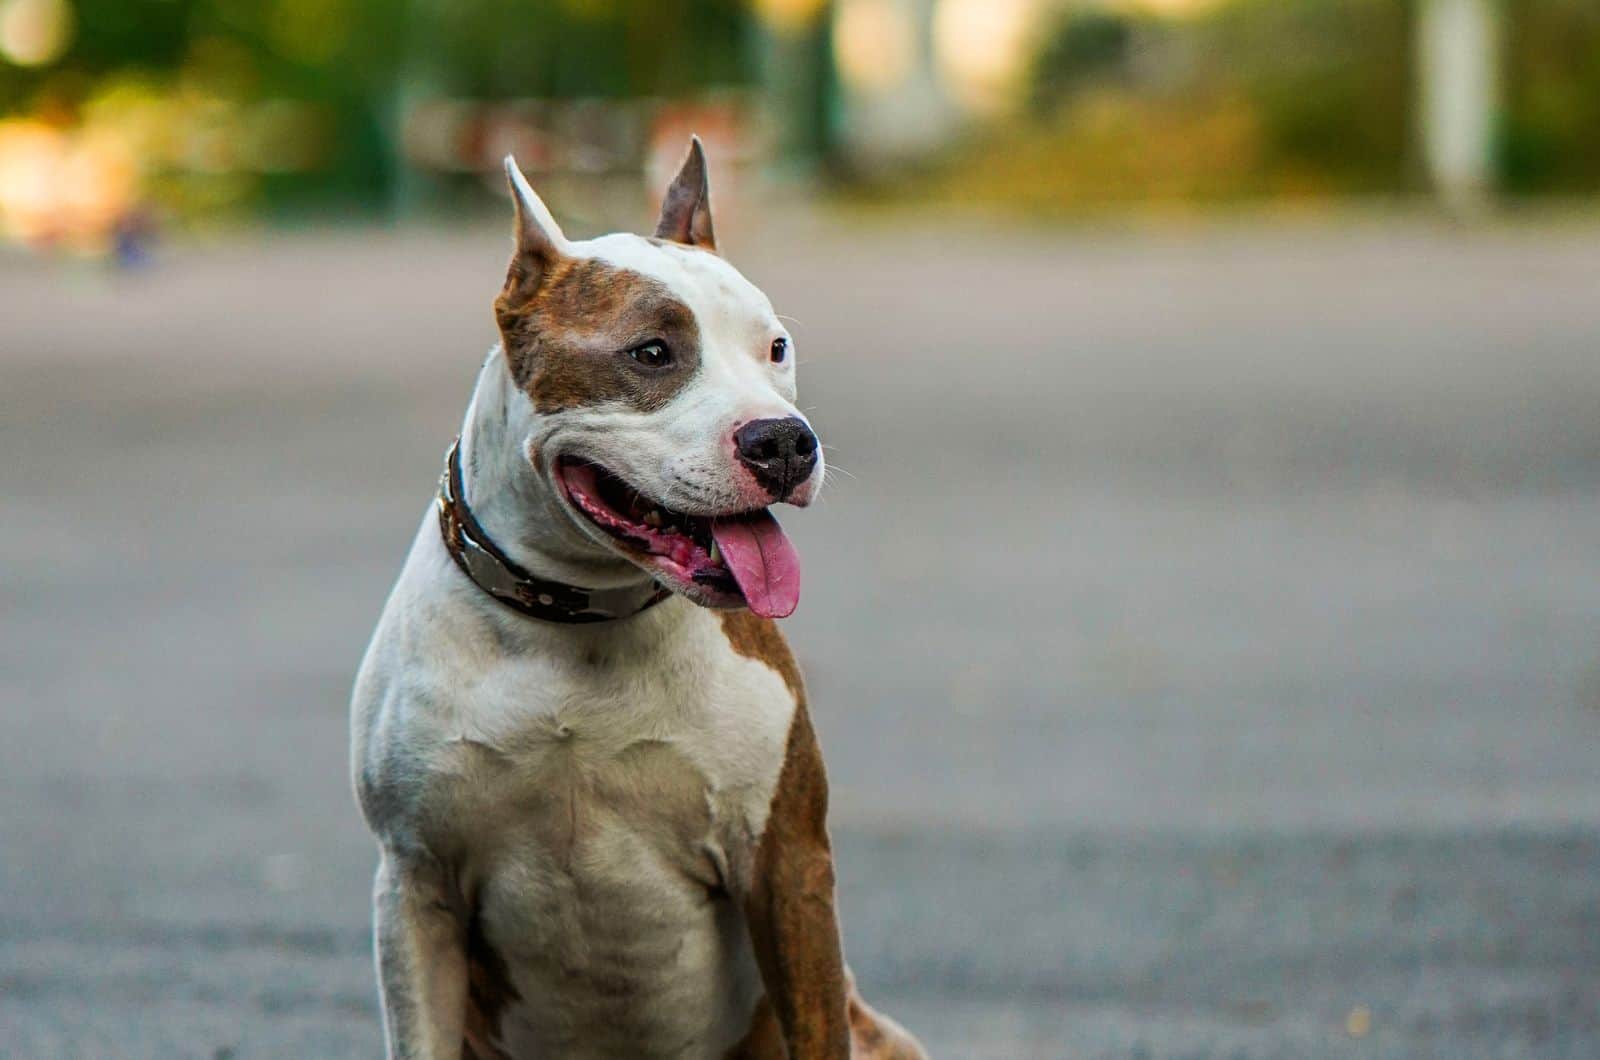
(1205, 640)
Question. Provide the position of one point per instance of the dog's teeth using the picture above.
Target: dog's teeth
(652, 518)
(716, 553)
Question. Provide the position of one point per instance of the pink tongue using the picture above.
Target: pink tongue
(762, 561)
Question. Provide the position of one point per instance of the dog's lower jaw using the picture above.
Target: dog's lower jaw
(510, 489)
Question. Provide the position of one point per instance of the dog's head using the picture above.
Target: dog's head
(662, 386)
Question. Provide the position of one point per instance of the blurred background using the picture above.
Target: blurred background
(1203, 627)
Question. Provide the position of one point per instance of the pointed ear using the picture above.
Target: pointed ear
(686, 210)
(540, 243)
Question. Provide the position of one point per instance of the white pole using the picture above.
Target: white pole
(1459, 71)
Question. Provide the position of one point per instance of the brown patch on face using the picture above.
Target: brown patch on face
(489, 991)
(565, 340)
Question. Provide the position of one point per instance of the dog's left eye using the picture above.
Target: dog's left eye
(652, 354)
(780, 350)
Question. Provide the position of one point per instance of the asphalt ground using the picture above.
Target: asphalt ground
(1204, 638)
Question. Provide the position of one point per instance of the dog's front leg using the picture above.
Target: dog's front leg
(790, 908)
(422, 963)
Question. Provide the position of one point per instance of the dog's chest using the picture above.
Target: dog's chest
(603, 814)
(678, 749)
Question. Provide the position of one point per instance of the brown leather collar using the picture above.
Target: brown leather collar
(498, 575)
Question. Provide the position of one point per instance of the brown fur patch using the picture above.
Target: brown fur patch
(811, 1001)
(566, 339)
(759, 638)
(789, 907)
(872, 1036)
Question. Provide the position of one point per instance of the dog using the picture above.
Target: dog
(578, 736)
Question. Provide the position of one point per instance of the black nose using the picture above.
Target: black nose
(781, 454)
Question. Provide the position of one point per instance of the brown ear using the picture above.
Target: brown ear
(686, 210)
(540, 242)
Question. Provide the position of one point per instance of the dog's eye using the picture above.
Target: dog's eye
(780, 350)
(653, 354)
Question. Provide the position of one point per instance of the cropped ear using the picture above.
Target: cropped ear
(540, 243)
(686, 210)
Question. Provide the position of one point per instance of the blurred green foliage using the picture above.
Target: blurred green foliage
(565, 48)
(1246, 98)
(329, 53)
(1273, 97)
(1087, 46)
(1550, 132)
(354, 61)
(1330, 81)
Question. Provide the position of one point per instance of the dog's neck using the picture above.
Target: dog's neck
(516, 503)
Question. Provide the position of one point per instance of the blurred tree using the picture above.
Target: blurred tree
(1550, 133)
(1331, 82)
(1087, 46)
(572, 48)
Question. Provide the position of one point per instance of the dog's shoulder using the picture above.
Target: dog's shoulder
(438, 665)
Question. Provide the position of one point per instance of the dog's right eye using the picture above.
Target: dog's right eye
(652, 354)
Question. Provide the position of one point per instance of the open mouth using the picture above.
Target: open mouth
(720, 560)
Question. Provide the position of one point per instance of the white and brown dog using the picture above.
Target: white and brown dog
(601, 810)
